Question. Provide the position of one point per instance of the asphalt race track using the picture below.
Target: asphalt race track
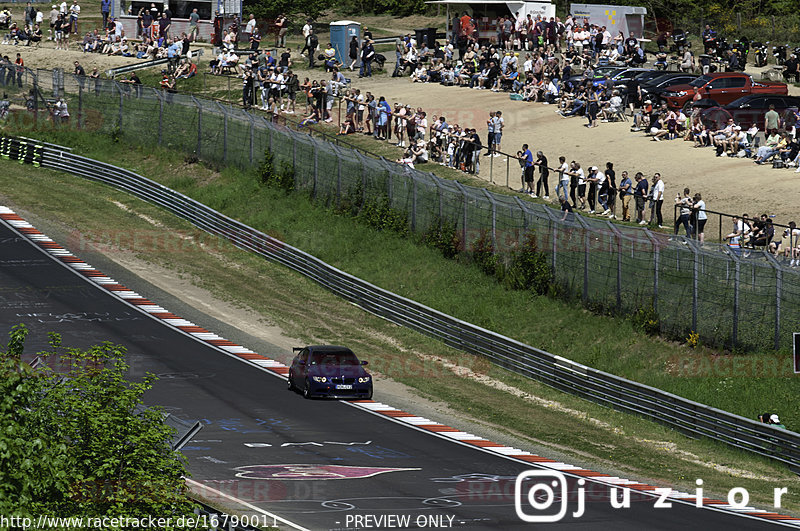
(317, 463)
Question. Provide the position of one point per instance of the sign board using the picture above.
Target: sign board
(796, 351)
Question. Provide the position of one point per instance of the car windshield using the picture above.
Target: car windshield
(700, 81)
(334, 358)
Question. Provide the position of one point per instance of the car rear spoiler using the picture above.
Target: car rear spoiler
(297, 349)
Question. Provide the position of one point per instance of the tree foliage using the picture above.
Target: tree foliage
(78, 442)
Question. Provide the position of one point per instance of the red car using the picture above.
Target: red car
(722, 87)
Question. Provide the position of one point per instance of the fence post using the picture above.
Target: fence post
(618, 234)
(508, 170)
(585, 295)
(778, 290)
(735, 326)
(413, 203)
(494, 219)
(656, 262)
(338, 179)
(696, 287)
(316, 166)
(465, 213)
(80, 105)
(224, 136)
(491, 166)
(252, 135)
(160, 116)
(121, 95)
(199, 126)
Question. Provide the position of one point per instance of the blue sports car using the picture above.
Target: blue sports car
(329, 371)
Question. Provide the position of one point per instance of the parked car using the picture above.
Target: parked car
(749, 110)
(654, 88)
(329, 371)
(722, 87)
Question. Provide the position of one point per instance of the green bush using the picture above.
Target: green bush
(379, 214)
(483, 254)
(442, 235)
(282, 179)
(528, 268)
(646, 320)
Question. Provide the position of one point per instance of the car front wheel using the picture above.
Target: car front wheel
(307, 389)
(289, 382)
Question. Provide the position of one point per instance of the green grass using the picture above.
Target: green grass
(551, 423)
(401, 265)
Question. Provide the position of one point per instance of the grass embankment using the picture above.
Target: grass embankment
(508, 406)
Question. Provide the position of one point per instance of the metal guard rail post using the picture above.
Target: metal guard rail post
(691, 418)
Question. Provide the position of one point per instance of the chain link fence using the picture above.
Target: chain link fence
(744, 302)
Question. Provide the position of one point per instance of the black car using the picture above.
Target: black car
(751, 109)
(655, 87)
(329, 371)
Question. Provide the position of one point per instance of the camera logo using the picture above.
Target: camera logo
(548, 488)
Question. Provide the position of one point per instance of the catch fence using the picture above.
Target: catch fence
(731, 301)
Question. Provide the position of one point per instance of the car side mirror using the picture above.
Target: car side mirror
(364, 362)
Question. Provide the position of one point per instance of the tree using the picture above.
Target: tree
(79, 441)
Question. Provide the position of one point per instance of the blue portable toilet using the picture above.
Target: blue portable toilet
(342, 32)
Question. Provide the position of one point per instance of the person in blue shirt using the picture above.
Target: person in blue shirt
(526, 161)
(105, 9)
(384, 112)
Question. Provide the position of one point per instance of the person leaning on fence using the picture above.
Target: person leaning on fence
(685, 205)
(526, 162)
(700, 217)
(734, 238)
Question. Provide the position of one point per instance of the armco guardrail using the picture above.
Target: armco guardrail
(691, 418)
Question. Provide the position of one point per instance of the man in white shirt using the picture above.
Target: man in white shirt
(657, 199)
(74, 12)
(63, 8)
(250, 27)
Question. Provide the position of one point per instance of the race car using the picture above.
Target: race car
(329, 371)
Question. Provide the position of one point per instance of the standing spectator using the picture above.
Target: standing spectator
(164, 25)
(147, 23)
(699, 209)
(578, 182)
(194, 18)
(592, 178)
(281, 26)
(19, 68)
(709, 39)
(74, 12)
(255, 39)
(658, 201)
(353, 52)
(544, 174)
(312, 42)
(499, 123)
(105, 9)
(526, 159)
(63, 8)
(53, 17)
(771, 121)
(30, 16)
(307, 30)
(684, 212)
(248, 83)
(625, 194)
(610, 190)
(250, 27)
(79, 71)
(563, 178)
(490, 134)
(639, 195)
(367, 56)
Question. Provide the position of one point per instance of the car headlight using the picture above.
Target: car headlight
(364, 379)
(322, 379)
(682, 93)
(670, 94)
